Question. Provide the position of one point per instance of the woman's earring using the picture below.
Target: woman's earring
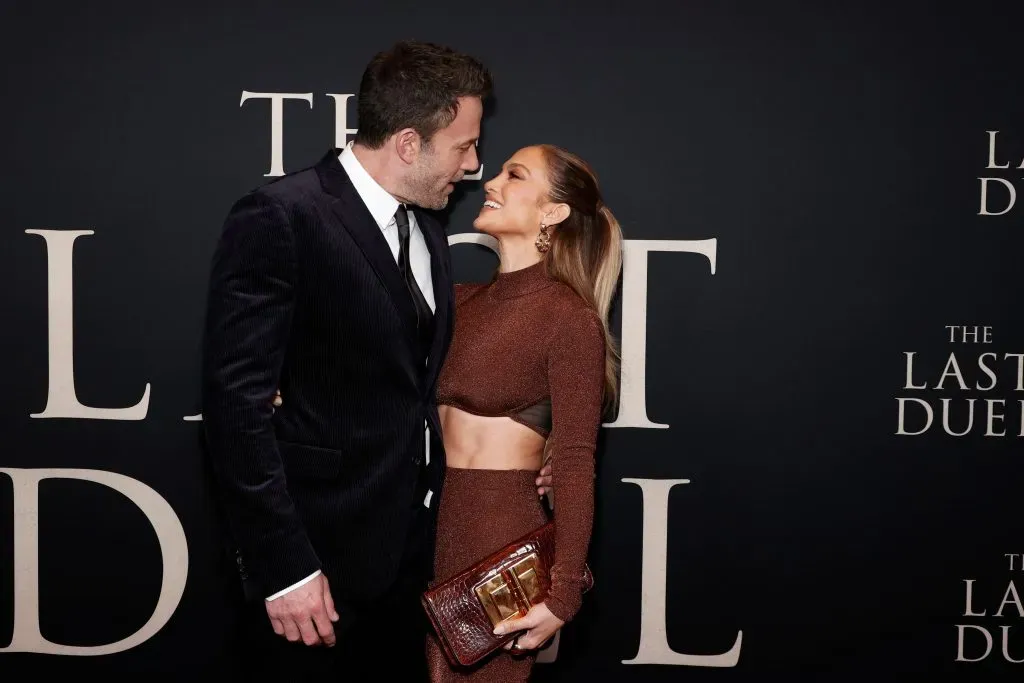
(543, 242)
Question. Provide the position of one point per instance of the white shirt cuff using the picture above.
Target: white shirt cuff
(292, 587)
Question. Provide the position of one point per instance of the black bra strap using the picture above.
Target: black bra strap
(538, 415)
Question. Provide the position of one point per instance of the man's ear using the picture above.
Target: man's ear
(408, 144)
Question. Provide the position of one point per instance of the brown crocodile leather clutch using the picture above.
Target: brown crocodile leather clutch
(465, 609)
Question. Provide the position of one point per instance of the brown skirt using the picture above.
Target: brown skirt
(481, 511)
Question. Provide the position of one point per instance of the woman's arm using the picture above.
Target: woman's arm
(576, 371)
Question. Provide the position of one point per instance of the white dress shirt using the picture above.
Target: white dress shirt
(382, 207)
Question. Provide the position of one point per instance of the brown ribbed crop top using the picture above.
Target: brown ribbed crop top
(524, 345)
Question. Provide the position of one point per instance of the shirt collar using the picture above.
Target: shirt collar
(379, 201)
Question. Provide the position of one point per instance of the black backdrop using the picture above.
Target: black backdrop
(829, 164)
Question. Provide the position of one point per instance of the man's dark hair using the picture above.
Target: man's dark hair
(416, 85)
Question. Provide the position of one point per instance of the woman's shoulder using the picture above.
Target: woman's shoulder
(574, 320)
(466, 290)
(571, 306)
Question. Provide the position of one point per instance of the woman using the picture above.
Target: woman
(530, 368)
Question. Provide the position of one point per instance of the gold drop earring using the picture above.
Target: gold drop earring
(543, 242)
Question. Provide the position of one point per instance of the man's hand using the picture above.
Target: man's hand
(544, 480)
(305, 614)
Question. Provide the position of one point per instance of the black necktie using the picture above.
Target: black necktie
(423, 312)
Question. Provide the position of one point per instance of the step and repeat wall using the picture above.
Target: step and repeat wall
(816, 468)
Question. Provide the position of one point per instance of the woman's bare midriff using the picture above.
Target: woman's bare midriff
(489, 443)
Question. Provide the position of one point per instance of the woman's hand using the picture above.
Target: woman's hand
(536, 628)
(276, 403)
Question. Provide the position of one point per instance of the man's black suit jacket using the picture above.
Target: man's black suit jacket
(305, 295)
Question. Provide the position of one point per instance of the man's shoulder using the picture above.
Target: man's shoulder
(293, 187)
(290, 197)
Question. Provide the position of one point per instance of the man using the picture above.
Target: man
(334, 285)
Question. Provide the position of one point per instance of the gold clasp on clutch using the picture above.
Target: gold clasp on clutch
(513, 591)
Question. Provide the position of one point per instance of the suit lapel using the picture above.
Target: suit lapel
(437, 244)
(357, 220)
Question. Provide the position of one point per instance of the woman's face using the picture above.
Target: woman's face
(516, 200)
